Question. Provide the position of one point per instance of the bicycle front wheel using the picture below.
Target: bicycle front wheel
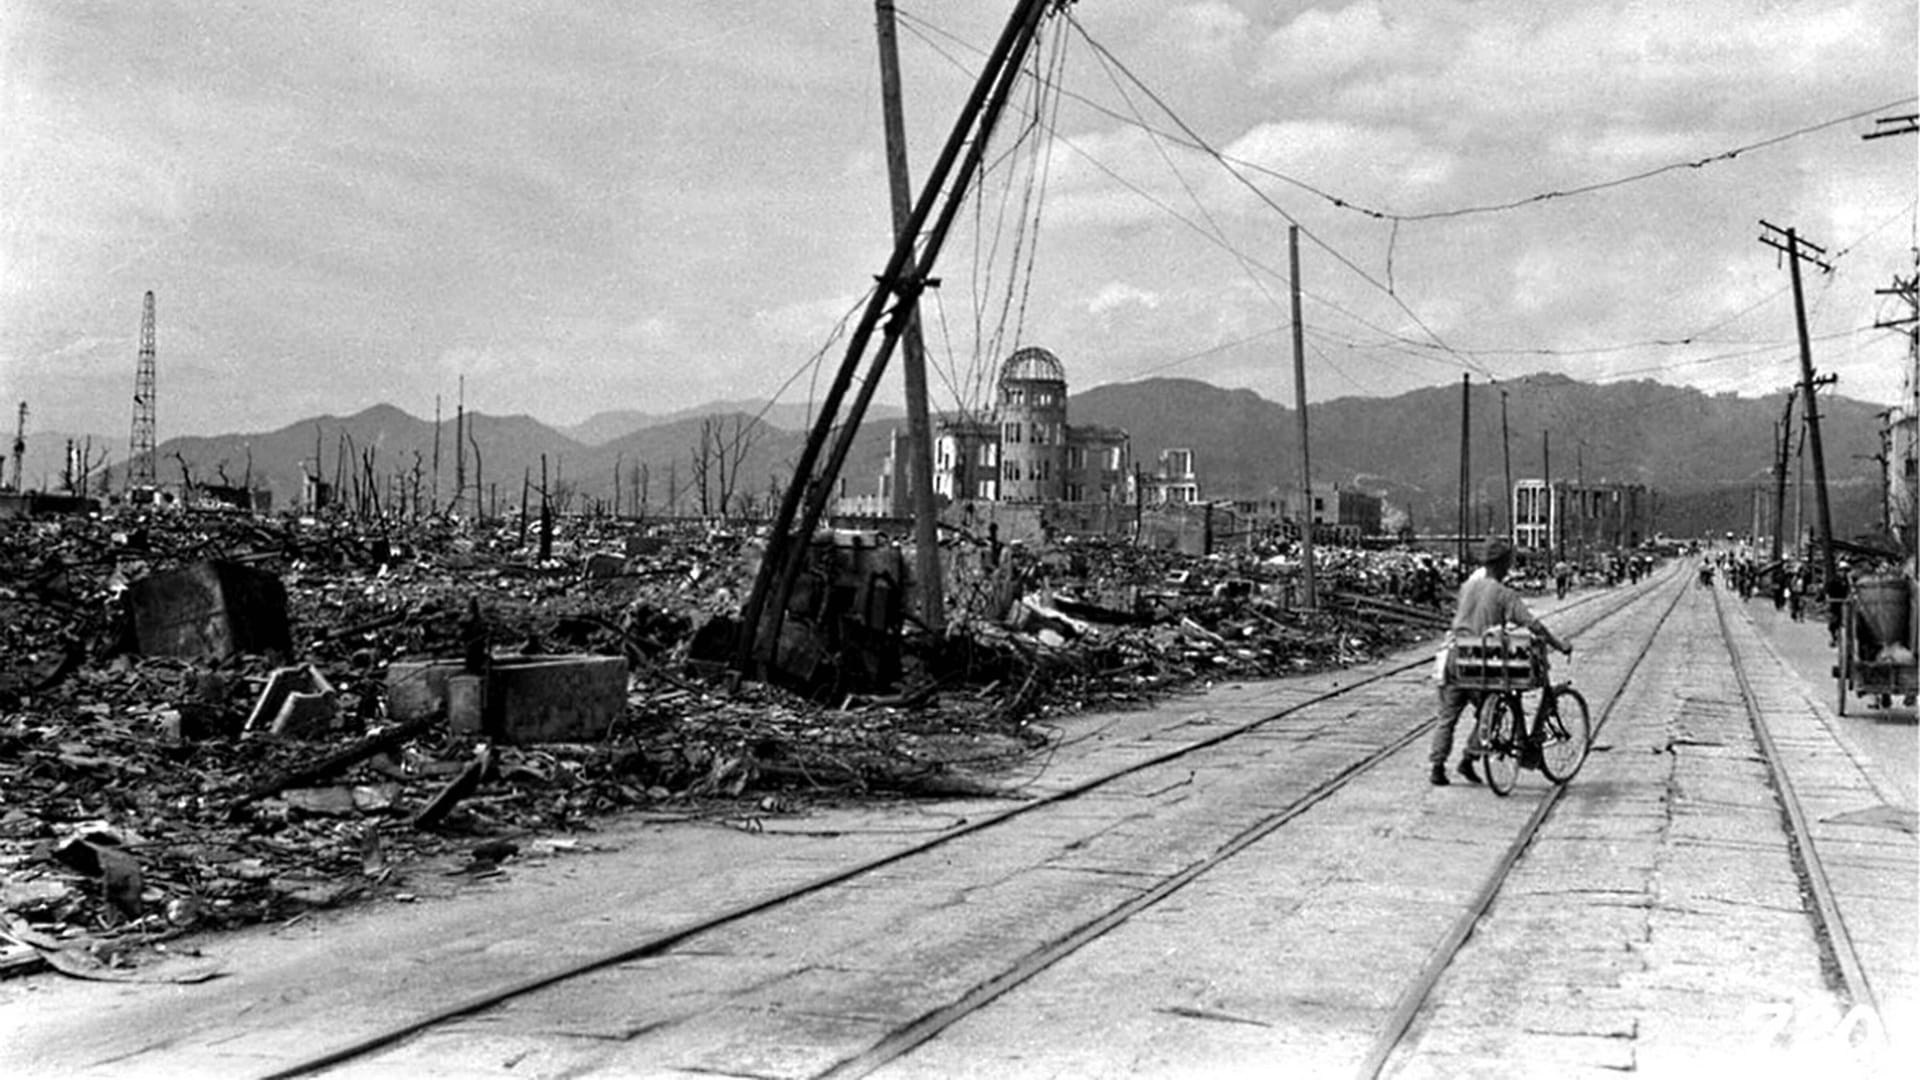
(1502, 759)
(1565, 734)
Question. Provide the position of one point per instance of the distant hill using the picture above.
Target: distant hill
(605, 427)
(1703, 454)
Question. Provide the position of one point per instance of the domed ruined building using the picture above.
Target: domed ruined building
(1024, 452)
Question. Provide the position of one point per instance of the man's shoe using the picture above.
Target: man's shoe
(1439, 776)
(1466, 769)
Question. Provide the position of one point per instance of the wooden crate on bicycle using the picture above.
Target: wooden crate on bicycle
(1501, 659)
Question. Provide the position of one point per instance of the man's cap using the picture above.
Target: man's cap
(1495, 550)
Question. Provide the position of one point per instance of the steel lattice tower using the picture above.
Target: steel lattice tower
(140, 448)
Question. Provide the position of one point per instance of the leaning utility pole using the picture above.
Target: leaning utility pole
(1466, 402)
(1783, 437)
(140, 446)
(1795, 250)
(1300, 403)
(900, 283)
(913, 354)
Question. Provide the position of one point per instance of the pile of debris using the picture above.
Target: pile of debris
(207, 722)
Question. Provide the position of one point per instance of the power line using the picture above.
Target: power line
(1208, 149)
(1213, 236)
(1357, 207)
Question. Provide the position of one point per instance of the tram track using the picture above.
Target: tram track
(1834, 934)
(1433, 1007)
(902, 1039)
(1416, 995)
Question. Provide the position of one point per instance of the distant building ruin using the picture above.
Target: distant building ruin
(1572, 519)
(1025, 451)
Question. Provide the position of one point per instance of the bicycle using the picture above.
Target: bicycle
(1505, 665)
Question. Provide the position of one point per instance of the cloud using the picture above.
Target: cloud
(1118, 294)
(1321, 46)
(1208, 31)
(808, 323)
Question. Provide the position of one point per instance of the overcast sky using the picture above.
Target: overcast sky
(589, 206)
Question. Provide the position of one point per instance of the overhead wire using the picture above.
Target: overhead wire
(1215, 236)
(1422, 349)
(1209, 150)
(1344, 203)
(1211, 236)
(1043, 163)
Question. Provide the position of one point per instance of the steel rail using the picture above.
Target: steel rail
(1414, 998)
(1833, 927)
(363, 1046)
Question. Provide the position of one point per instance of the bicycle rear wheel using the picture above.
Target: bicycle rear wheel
(1565, 734)
(1502, 759)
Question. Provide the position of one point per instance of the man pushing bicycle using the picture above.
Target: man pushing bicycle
(1486, 602)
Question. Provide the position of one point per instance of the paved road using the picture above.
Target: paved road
(1241, 882)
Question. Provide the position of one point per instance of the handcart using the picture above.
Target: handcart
(1876, 643)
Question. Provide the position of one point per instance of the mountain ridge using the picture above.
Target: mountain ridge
(1692, 447)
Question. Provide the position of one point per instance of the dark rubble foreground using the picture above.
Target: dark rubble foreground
(144, 800)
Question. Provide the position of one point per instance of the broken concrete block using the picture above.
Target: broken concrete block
(601, 565)
(467, 703)
(305, 716)
(300, 702)
(210, 610)
(519, 699)
(280, 683)
(416, 689)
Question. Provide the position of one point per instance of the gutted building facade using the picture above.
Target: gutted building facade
(1026, 451)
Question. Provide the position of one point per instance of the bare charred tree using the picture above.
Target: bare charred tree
(416, 481)
(479, 509)
(546, 515)
(369, 483)
(88, 467)
(702, 460)
(186, 477)
(526, 489)
(342, 449)
(731, 453)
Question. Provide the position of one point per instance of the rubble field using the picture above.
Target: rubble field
(150, 793)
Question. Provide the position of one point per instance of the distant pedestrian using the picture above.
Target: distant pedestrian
(1839, 587)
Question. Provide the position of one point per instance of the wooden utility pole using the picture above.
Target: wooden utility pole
(913, 356)
(1300, 403)
(1506, 458)
(904, 277)
(1553, 504)
(460, 447)
(1580, 493)
(1797, 249)
(1466, 471)
(1783, 438)
(436, 453)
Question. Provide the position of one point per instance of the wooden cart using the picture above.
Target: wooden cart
(1876, 657)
